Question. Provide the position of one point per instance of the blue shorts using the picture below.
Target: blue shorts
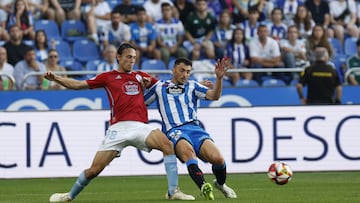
(191, 132)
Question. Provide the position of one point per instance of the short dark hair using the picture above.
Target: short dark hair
(165, 4)
(358, 42)
(124, 46)
(184, 61)
(140, 9)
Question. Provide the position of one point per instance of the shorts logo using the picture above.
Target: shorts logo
(175, 135)
(131, 88)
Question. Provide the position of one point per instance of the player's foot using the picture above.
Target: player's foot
(226, 190)
(178, 195)
(60, 197)
(207, 191)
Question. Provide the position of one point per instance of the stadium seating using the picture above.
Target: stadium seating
(64, 49)
(350, 46)
(73, 30)
(92, 66)
(50, 27)
(85, 50)
(171, 64)
(294, 82)
(273, 83)
(337, 47)
(73, 65)
(246, 83)
(153, 64)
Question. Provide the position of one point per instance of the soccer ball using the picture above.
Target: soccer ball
(280, 173)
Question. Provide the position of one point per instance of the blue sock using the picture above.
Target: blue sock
(171, 173)
(79, 185)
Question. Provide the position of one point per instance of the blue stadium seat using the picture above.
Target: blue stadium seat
(63, 48)
(294, 82)
(85, 50)
(92, 66)
(273, 83)
(73, 65)
(246, 83)
(153, 64)
(171, 64)
(337, 47)
(350, 46)
(50, 27)
(73, 30)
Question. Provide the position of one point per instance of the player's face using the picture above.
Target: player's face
(181, 73)
(126, 60)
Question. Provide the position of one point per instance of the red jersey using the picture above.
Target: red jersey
(124, 93)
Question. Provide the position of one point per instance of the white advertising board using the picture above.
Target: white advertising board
(63, 143)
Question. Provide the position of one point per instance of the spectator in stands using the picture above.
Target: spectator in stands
(5, 8)
(153, 9)
(277, 28)
(323, 82)
(239, 55)
(52, 64)
(184, 9)
(15, 47)
(223, 33)
(289, 8)
(115, 32)
(110, 62)
(250, 25)
(320, 11)
(97, 16)
(354, 62)
(5, 83)
(40, 9)
(342, 17)
(28, 65)
(170, 35)
(128, 10)
(242, 8)
(293, 50)
(216, 7)
(22, 17)
(265, 53)
(303, 21)
(143, 38)
(317, 38)
(199, 28)
(66, 10)
(41, 45)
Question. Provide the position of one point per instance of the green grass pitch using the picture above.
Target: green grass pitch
(311, 187)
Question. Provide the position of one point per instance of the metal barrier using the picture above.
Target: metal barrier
(257, 70)
(349, 71)
(11, 78)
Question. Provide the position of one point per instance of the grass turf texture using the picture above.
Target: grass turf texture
(305, 187)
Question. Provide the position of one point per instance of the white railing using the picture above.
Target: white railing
(246, 70)
(11, 79)
(349, 71)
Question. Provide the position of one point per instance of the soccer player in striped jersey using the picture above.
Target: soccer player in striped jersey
(177, 101)
(128, 123)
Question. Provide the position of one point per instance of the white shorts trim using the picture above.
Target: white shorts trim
(126, 133)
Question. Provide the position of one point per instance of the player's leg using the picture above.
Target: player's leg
(186, 153)
(101, 160)
(158, 140)
(211, 153)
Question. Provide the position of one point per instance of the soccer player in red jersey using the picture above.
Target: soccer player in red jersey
(124, 89)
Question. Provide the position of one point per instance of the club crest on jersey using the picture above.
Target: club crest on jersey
(131, 88)
(175, 90)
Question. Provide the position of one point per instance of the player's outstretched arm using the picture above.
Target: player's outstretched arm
(66, 82)
(221, 67)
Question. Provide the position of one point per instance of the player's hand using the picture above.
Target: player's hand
(49, 76)
(145, 82)
(221, 66)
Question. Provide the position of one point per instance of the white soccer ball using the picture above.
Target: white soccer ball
(280, 173)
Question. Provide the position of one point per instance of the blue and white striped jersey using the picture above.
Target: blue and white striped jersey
(177, 104)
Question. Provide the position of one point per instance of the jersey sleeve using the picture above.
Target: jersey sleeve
(200, 90)
(97, 81)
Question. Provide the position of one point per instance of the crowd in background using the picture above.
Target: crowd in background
(252, 33)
